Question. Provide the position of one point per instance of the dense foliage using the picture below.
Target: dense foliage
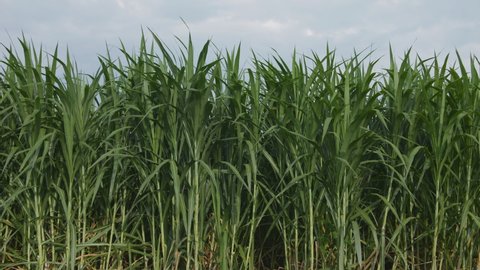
(168, 161)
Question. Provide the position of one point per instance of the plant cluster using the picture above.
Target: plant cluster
(171, 161)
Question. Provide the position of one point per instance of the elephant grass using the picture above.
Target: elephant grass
(163, 160)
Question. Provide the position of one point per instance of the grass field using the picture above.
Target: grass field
(166, 160)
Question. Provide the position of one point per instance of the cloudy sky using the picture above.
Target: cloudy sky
(86, 26)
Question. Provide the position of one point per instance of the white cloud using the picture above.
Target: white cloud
(230, 24)
(309, 32)
(305, 24)
(337, 35)
(273, 25)
(120, 4)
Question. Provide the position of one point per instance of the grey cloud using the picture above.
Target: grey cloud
(261, 25)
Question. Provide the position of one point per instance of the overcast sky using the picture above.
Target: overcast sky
(86, 26)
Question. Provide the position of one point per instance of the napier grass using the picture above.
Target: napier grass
(171, 161)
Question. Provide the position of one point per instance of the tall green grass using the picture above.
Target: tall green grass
(173, 161)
